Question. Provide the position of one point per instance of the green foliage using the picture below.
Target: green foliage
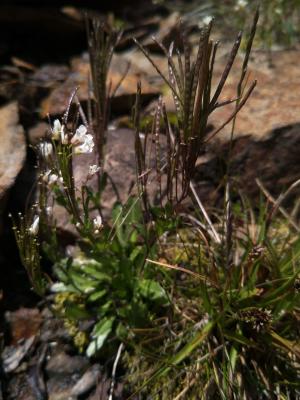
(236, 335)
(117, 289)
(278, 25)
(29, 249)
(279, 21)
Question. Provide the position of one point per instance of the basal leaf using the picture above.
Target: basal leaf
(98, 294)
(100, 332)
(152, 290)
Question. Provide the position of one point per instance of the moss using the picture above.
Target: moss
(61, 300)
(81, 340)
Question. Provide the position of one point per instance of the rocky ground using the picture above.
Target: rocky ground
(36, 79)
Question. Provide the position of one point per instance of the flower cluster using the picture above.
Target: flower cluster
(46, 150)
(58, 132)
(256, 252)
(93, 169)
(257, 318)
(97, 223)
(297, 285)
(207, 19)
(241, 5)
(81, 141)
(51, 179)
(34, 228)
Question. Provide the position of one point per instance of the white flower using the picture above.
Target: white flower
(83, 142)
(64, 137)
(57, 130)
(241, 4)
(46, 149)
(58, 287)
(51, 179)
(45, 177)
(207, 19)
(79, 136)
(93, 169)
(49, 211)
(86, 147)
(34, 228)
(97, 222)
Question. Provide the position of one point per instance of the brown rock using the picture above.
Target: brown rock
(275, 101)
(12, 153)
(168, 32)
(10, 82)
(38, 132)
(120, 164)
(275, 161)
(50, 75)
(57, 101)
(23, 323)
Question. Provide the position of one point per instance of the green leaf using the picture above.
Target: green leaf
(93, 272)
(103, 309)
(121, 331)
(233, 359)
(205, 298)
(288, 345)
(100, 332)
(152, 290)
(239, 338)
(76, 312)
(83, 283)
(136, 251)
(273, 295)
(97, 295)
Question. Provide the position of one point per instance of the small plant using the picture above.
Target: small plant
(191, 85)
(26, 231)
(102, 41)
(204, 309)
(108, 281)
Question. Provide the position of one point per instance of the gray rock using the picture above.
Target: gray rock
(61, 364)
(86, 382)
(12, 356)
